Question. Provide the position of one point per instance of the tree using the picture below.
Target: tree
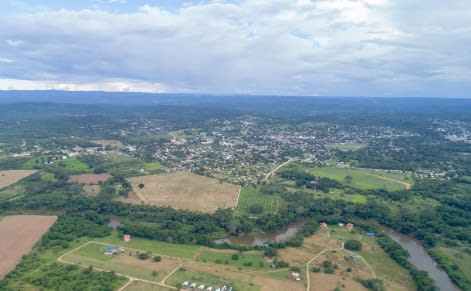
(157, 259)
(141, 185)
(348, 179)
(353, 245)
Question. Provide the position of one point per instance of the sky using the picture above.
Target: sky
(396, 48)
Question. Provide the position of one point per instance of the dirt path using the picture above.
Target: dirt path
(277, 168)
(407, 185)
(308, 287)
(170, 274)
(238, 197)
(141, 196)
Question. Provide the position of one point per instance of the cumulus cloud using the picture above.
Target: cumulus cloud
(306, 47)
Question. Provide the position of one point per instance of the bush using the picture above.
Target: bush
(157, 259)
(141, 186)
(295, 269)
(143, 256)
(235, 257)
(255, 209)
(353, 245)
(315, 269)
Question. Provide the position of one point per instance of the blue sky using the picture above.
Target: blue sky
(281, 47)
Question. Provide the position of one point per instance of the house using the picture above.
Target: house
(201, 287)
(350, 226)
(127, 238)
(370, 233)
(110, 250)
(185, 284)
(323, 225)
(296, 276)
(193, 285)
(341, 224)
(209, 289)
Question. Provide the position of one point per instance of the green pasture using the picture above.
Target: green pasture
(244, 260)
(360, 179)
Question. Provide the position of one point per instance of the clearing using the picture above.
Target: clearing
(183, 190)
(10, 177)
(89, 179)
(364, 179)
(19, 234)
(108, 142)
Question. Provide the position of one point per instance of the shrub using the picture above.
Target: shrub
(315, 269)
(353, 245)
(157, 259)
(143, 256)
(235, 257)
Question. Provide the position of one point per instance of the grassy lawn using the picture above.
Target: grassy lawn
(143, 286)
(249, 196)
(94, 251)
(109, 265)
(208, 280)
(73, 166)
(338, 194)
(343, 234)
(156, 247)
(246, 261)
(460, 258)
(360, 179)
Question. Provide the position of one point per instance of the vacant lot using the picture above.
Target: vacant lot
(89, 179)
(18, 235)
(10, 177)
(105, 142)
(183, 191)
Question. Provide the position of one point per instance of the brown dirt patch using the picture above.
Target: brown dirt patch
(18, 235)
(108, 142)
(183, 190)
(324, 282)
(268, 284)
(89, 179)
(10, 177)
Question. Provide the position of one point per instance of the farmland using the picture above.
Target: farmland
(250, 196)
(362, 179)
(10, 177)
(89, 179)
(19, 234)
(183, 191)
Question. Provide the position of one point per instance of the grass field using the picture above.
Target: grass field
(244, 260)
(338, 194)
(361, 178)
(105, 142)
(157, 247)
(143, 286)
(183, 190)
(348, 147)
(208, 280)
(18, 235)
(10, 177)
(250, 196)
(73, 166)
(89, 179)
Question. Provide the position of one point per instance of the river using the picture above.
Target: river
(263, 239)
(422, 260)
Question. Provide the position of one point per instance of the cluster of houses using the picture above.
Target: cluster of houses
(295, 276)
(194, 286)
(324, 225)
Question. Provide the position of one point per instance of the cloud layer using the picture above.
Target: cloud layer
(302, 47)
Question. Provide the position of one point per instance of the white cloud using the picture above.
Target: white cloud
(6, 60)
(337, 47)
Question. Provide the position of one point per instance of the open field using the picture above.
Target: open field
(143, 286)
(347, 147)
(249, 197)
(18, 235)
(89, 179)
(10, 177)
(253, 260)
(361, 178)
(183, 190)
(105, 142)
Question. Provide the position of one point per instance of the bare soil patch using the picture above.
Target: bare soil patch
(268, 284)
(108, 142)
(325, 282)
(18, 235)
(183, 190)
(10, 177)
(89, 179)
